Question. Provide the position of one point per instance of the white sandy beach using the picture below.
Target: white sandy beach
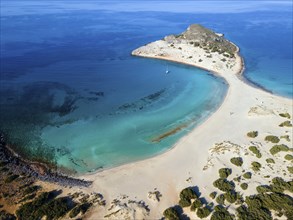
(192, 162)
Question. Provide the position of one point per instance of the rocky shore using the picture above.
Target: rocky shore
(36, 171)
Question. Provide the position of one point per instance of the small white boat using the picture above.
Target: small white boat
(167, 70)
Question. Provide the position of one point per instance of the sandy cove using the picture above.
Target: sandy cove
(194, 161)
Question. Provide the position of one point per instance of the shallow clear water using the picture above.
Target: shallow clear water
(71, 92)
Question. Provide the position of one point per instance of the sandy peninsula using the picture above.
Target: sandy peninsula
(144, 189)
(196, 158)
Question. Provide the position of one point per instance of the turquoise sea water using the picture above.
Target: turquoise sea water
(72, 93)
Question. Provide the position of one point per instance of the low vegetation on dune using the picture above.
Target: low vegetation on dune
(278, 148)
(285, 115)
(237, 161)
(255, 150)
(269, 200)
(252, 134)
(272, 138)
(286, 124)
(224, 172)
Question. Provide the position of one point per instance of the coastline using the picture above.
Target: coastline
(138, 178)
(192, 160)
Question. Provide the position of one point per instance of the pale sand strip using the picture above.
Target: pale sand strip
(169, 171)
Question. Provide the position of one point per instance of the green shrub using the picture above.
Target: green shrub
(244, 186)
(285, 115)
(6, 216)
(288, 157)
(254, 150)
(184, 202)
(221, 216)
(54, 209)
(278, 185)
(188, 193)
(224, 172)
(277, 148)
(255, 166)
(252, 134)
(81, 208)
(185, 197)
(203, 212)
(263, 189)
(171, 214)
(224, 185)
(11, 178)
(261, 204)
(272, 138)
(290, 169)
(244, 213)
(28, 197)
(220, 199)
(213, 195)
(237, 161)
(28, 211)
(270, 160)
(230, 196)
(285, 124)
(196, 204)
(31, 189)
(247, 175)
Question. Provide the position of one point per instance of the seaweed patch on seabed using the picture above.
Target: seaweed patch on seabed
(169, 133)
(26, 110)
(141, 103)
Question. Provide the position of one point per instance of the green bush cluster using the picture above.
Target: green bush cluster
(220, 199)
(221, 214)
(54, 209)
(6, 216)
(31, 189)
(224, 185)
(252, 134)
(263, 189)
(185, 197)
(290, 169)
(171, 214)
(231, 196)
(237, 161)
(196, 204)
(244, 186)
(81, 208)
(278, 185)
(261, 204)
(256, 166)
(203, 212)
(270, 160)
(279, 147)
(213, 195)
(224, 172)
(29, 210)
(285, 115)
(247, 175)
(286, 124)
(11, 178)
(288, 157)
(244, 213)
(272, 138)
(255, 150)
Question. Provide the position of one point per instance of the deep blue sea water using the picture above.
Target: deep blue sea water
(72, 93)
